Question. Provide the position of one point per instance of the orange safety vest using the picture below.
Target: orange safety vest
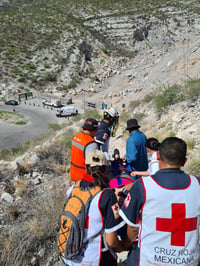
(79, 143)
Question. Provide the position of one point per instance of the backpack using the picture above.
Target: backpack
(72, 221)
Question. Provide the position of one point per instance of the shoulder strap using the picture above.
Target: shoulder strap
(98, 190)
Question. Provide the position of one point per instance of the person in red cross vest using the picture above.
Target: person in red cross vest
(103, 218)
(163, 210)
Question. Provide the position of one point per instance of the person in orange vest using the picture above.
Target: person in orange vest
(82, 143)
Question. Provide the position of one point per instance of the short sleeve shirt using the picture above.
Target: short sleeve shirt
(103, 135)
(109, 208)
(169, 178)
(153, 164)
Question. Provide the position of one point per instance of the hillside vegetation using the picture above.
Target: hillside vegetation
(40, 40)
(142, 57)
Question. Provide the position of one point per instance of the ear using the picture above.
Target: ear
(162, 164)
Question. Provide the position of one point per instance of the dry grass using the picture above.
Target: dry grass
(21, 241)
(11, 117)
(21, 187)
(192, 165)
(13, 211)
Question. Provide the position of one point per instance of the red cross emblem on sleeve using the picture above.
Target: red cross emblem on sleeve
(115, 209)
(127, 200)
(178, 225)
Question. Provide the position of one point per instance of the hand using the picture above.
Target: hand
(117, 191)
(123, 159)
(133, 173)
(120, 199)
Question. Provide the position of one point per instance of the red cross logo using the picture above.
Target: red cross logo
(127, 200)
(178, 225)
(115, 209)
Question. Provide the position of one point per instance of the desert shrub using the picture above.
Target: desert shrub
(10, 154)
(16, 71)
(91, 113)
(139, 116)
(72, 84)
(37, 228)
(172, 134)
(11, 117)
(30, 66)
(124, 116)
(54, 126)
(133, 105)
(193, 165)
(193, 88)
(49, 76)
(52, 156)
(22, 79)
(21, 187)
(67, 139)
(106, 51)
(169, 96)
(12, 212)
(21, 122)
(190, 143)
(148, 98)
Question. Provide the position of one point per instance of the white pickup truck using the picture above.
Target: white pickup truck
(67, 110)
(52, 102)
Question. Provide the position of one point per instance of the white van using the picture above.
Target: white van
(67, 110)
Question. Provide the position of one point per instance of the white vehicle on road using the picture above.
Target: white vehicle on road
(52, 102)
(67, 110)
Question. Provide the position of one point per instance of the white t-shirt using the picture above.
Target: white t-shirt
(153, 164)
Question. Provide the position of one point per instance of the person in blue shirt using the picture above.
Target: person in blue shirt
(136, 154)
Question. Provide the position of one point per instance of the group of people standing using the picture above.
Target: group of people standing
(157, 219)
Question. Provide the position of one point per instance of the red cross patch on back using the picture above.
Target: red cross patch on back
(178, 225)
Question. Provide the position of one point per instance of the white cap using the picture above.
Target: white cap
(96, 157)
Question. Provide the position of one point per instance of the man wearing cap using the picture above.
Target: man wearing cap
(136, 154)
(82, 143)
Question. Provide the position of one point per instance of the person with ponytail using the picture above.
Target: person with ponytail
(103, 218)
(152, 145)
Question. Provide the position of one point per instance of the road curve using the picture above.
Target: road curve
(38, 118)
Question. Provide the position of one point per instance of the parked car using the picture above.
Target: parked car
(11, 102)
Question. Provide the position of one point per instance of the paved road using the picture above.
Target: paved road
(38, 118)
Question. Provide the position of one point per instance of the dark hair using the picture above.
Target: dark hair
(152, 144)
(98, 173)
(173, 150)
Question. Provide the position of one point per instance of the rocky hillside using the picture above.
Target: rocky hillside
(54, 45)
(123, 54)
